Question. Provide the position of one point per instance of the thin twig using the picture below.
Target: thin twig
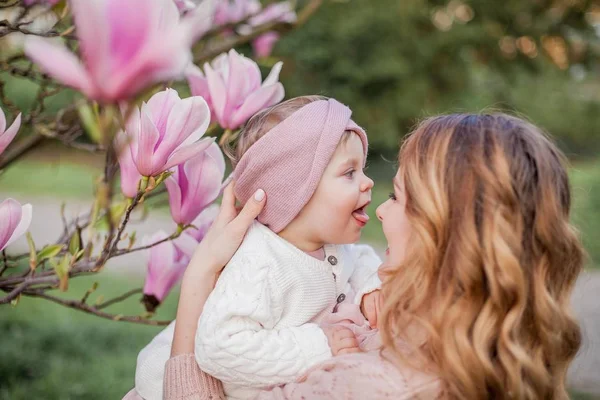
(5, 262)
(14, 293)
(119, 298)
(10, 28)
(77, 305)
(125, 251)
(109, 249)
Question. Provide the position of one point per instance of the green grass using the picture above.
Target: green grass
(52, 352)
(49, 179)
(585, 181)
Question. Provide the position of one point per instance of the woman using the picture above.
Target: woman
(476, 281)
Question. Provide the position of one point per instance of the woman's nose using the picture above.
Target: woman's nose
(378, 212)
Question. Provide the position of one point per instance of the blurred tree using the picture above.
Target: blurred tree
(395, 61)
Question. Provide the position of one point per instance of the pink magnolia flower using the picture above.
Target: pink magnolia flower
(195, 184)
(130, 177)
(14, 221)
(7, 135)
(282, 12)
(190, 238)
(263, 45)
(125, 46)
(230, 12)
(165, 132)
(166, 265)
(233, 90)
(203, 222)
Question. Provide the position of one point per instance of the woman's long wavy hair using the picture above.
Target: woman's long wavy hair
(491, 262)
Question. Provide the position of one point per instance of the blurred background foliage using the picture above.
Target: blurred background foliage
(394, 62)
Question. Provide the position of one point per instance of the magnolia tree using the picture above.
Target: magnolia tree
(126, 59)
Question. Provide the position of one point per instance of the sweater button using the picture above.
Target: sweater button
(332, 260)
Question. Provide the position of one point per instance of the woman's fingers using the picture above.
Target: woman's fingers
(249, 212)
(228, 210)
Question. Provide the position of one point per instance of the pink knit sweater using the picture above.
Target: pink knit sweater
(351, 377)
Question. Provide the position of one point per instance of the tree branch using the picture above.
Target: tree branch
(119, 298)
(78, 305)
(18, 149)
(275, 26)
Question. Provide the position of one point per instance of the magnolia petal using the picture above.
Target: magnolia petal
(265, 97)
(160, 106)
(252, 73)
(198, 21)
(263, 45)
(7, 136)
(186, 243)
(203, 222)
(167, 14)
(132, 25)
(174, 199)
(218, 91)
(23, 226)
(184, 153)
(160, 259)
(237, 84)
(92, 31)
(147, 140)
(2, 121)
(59, 63)
(273, 76)
(130, 177)
(187, 122)
(133, 126)
(197, 82)
(162, 59)
(10, 216)
(205, 174)
(169, 278)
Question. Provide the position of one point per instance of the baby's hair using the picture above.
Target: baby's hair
(263, 121)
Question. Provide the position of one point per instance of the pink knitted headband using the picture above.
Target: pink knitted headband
(289, 160)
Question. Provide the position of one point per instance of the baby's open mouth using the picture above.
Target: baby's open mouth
(360, 215)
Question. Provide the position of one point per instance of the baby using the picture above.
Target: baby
(269, 318)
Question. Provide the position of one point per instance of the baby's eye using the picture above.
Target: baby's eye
(350, 173)
(392, 196)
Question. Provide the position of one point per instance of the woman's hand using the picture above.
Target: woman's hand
(212, 254)
(225, 235)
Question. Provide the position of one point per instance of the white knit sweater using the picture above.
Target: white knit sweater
(259, 327)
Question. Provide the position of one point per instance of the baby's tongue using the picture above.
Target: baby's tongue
(361, 215)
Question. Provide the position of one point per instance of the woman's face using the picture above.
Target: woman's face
(396, 227)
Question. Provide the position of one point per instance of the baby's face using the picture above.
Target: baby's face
(336, 210)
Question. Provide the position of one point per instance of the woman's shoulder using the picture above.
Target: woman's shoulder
(375, 376)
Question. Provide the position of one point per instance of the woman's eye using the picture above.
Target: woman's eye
(392, 196)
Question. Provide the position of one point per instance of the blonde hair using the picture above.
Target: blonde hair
(263, 121)
(491, 262)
